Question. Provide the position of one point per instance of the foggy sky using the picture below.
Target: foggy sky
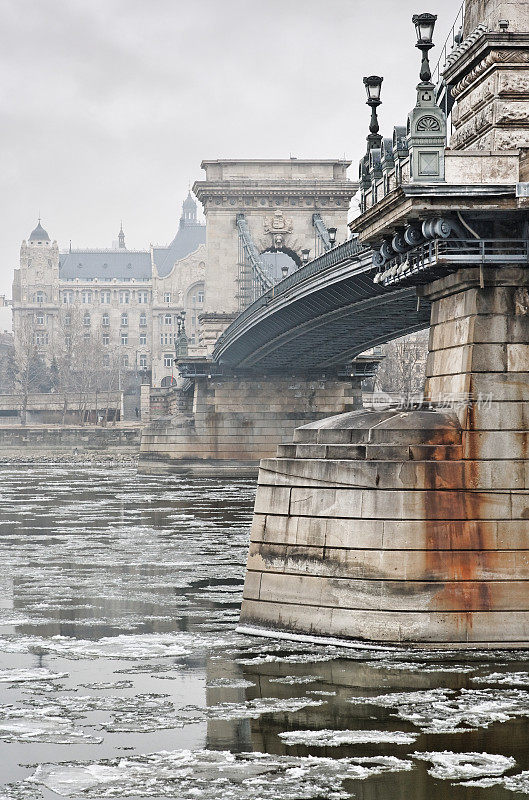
(109, 106)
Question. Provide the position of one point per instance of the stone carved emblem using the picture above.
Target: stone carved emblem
(278, 224)
(428, 123)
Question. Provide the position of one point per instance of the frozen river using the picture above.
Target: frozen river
(122, 675)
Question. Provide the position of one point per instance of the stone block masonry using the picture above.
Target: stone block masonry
(411, 526)
(234, 421)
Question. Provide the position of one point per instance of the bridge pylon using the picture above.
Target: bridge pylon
(409, 524)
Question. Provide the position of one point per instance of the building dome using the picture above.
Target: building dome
(39, 234)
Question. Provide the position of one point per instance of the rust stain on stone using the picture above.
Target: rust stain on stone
(463, 589)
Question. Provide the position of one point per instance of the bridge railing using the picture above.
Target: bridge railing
(339, 254)
(441, 256)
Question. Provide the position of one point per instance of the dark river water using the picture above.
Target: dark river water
(122, 674)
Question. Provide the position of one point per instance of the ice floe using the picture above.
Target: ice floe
(36, 674)
(329, 738)
(450, 711)
(465, 766)
(32, 725)
(207, 774)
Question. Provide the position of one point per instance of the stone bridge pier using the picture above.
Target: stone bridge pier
(412, 525)
(224, 424)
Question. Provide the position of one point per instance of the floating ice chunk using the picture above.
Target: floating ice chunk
(207, 774)
(36, 674)
(229, 683)
(329, 738)
(29, 725)
(445, 711)
(291, 680)
(108, 685)
(465, 766)
(504, 678)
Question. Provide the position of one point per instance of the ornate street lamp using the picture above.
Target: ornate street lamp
(424, 27)
(332, 235)
(284, 271)
(305, 256)
(373, 86)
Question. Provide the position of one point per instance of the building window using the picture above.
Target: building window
(124, 319)
(105, 319)
(166, 338)
(125, 361)
(86, 296)
(124, 338)
(106, 360)
(86, 319)
(168, 319)
(105, 297)
(68, 340)
(143, 362)
(200, 296)
(39, 318)
(167, 297)
(40, 297)
(68, 319)
(168, 359)
(124, 297)
(67, 298)
(143, 297)
(106, 338)
(86, 337)
(143, 338)
(143, 319)
(41, 338)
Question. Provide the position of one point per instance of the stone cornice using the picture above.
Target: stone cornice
(206, 190)
(472, 60)
(413, 202)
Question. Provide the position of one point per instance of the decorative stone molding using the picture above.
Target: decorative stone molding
(494, 57)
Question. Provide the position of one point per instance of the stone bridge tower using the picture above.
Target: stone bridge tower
(261, 215)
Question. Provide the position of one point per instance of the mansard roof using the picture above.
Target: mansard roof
(121, 264)
(189, 237)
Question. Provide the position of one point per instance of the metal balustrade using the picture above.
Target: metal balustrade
(441, 256)
(340, 254)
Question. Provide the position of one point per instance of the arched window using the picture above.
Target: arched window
(167, 381)
(40, 297)
(124, 319)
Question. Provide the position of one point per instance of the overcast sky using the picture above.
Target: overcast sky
(109, 106)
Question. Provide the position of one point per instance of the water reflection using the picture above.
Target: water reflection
(119, 598)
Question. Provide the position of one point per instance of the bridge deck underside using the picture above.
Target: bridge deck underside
(325, 324)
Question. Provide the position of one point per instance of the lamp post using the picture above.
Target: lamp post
(424, 27)
(332, 236)
(284, 271)
(305, 256)
(373, 86)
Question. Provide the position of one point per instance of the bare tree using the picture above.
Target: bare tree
(32, 373)
(403, 369)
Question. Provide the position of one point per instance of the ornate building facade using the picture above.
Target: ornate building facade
(118, 308)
